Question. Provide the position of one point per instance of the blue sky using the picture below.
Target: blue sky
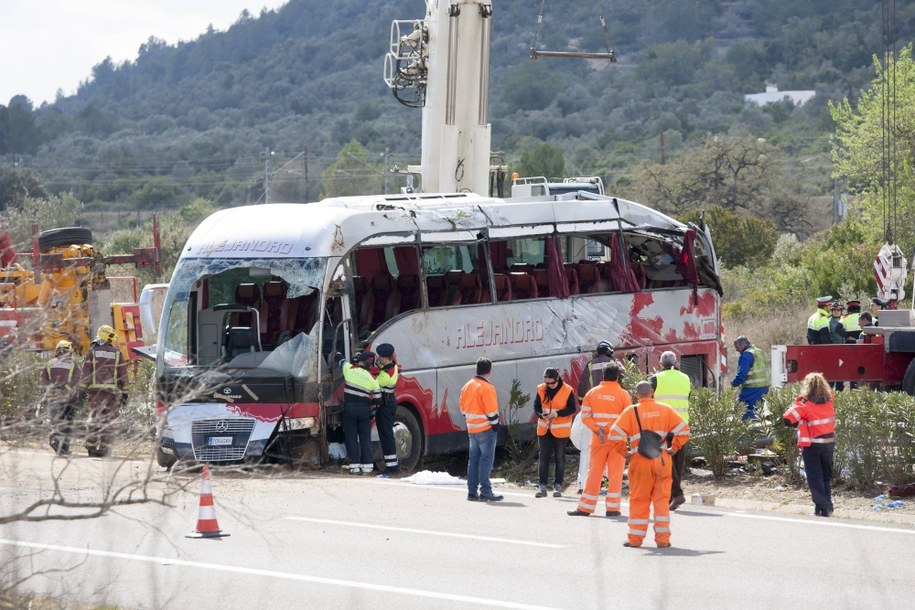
(46, 45)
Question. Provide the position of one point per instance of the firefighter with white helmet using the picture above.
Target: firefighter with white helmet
(60, 381)
(104, 379)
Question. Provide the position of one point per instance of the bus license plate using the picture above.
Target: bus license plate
(219, 441)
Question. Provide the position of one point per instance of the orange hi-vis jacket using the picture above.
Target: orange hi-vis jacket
(655, 416)
(601, 407)
(562, 402)
(479, 404)
(816, 422)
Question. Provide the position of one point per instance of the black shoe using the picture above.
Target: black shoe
(491, 498)
(557, 491)
(632, 546)
(473, 498)
(614, 513)
(676, 502)
(541, 493)
(578, 513)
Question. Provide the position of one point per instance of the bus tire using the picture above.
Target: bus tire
(408, 438)
(65, 236)
(908, 380)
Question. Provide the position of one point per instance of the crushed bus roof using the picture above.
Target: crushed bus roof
(332, 226)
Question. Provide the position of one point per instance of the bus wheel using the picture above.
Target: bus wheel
(408, 438)
(908, 380)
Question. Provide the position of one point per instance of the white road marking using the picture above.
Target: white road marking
(833, 522)
(271, 574)
(410, 530)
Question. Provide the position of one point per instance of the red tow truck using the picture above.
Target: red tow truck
(884, 356)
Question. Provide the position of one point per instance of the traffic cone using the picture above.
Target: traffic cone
(207, 527)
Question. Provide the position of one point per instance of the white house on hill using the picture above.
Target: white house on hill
(772, 94)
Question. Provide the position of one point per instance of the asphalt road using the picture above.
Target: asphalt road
(318, 541)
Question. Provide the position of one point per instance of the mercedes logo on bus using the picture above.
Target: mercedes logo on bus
(222, 426)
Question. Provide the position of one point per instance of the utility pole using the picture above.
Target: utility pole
(385, 170)
(267, 154)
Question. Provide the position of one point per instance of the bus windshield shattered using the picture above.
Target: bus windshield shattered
(259, 316)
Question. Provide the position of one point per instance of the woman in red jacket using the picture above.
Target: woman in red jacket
(814, 416)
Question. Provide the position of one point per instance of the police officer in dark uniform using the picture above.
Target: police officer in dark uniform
(360, 397)
(387, 409)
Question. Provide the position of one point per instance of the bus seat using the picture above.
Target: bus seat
(435, 287)
(503, 287)
(387, 299)
(365, 301)
(572, 278)
(240, 340)
(451, 295)
(542, 278)
(606, 277)
(589, 280)
(471, 288)
(408, 287)
(249, 294)
(523, 286)
(272, 311)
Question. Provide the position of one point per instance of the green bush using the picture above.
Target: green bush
(20, 392)
(784, 437)
(716, 427)
(874, 438)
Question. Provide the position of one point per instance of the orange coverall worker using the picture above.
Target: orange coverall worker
(649, 479)
(600, 409)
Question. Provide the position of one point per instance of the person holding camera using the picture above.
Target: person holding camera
(645, 425)
(554, 406)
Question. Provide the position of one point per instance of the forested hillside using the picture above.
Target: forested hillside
(282, 93)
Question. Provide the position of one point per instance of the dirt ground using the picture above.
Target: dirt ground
(751, 485)
(774, 488)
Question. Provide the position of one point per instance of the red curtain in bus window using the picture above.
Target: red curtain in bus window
(686, 261)
(406, 259)
(370, 262)
(556, 272)
(623, 276)
(498, 251)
